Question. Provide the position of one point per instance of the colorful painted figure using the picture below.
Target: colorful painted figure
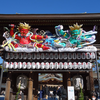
(24, 36)
(76, 35)
(60, 32)
(80, 37)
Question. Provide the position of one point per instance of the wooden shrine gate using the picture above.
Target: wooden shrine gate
(71, 60)
(26, 66)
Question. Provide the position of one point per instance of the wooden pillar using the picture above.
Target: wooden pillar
(35, 86)
(65, 80)
(85, 84)
(30, 87)
(91, 82)
(40, 86)
(8, 85)
(68, 79)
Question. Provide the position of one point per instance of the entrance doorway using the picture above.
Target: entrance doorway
(48, 84)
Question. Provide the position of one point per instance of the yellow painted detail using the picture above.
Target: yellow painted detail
(64, 34)
(42, 46)
(35, 36)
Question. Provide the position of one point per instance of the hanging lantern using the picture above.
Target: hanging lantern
(42, 56)
(28, 65)
(84, 65)
(42, 65)
(24, 65)
(15, 65)
(79, 56)
(76, 80)
(75, 65)
(83, 55)
(60, 65)
(69, 55)
(89, 65)
(11, 56)
(24, 56)
(20, 55)
(70, 65)
(33, 56)
(47, 56)
(7, 56)
(29, 56)
(6, 65)
(51, 66)
(16, 55)
(19, 65)
(33, 65)
(60, 55)
(56, 66)
(92, 55)
(56, 56)
(88, 55)
(51, 55)
(38, 56)
(74, 56)
(10, 65)
(47, 65)
(79, 65)
(65, 65)
(37, 65)
(65, 56)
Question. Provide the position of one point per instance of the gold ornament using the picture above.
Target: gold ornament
(25, 26)
(75, 27)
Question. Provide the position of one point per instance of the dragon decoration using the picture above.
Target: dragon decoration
(28, 41)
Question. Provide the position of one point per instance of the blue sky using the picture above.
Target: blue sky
(49, 6)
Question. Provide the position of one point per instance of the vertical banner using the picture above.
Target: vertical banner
(71, 95)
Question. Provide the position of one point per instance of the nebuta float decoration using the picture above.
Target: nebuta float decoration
(24, 40)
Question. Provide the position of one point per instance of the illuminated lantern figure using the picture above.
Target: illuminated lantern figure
(26, 37)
